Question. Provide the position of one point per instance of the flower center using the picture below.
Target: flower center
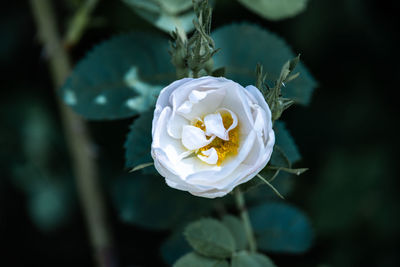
(224, 148)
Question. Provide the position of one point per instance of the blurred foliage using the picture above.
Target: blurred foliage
(36, 169)
(281, 228)
(138, 197)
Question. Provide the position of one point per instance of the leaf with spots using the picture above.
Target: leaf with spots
(120, 77)
(244, 45)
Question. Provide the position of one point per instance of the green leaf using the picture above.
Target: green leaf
(146, 201)
(275, 9)
(281, 228)
(237, 230)
(195, 260)
(246, 259)
(210, 238)
(244, 45)
(174, 247)
(138, 143)
(121, 77)
(165, 14)
(285, 141)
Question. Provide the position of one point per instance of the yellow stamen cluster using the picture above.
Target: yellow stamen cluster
(224, 148)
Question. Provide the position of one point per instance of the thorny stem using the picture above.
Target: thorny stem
(240, 203)
(79, 143)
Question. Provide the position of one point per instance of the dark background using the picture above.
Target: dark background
(347, 135)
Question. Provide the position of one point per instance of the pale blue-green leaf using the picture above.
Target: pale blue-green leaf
(138, 143)
(281, 228)
(235, 225)
(121, 77)
(275, 9)
(165, 15)
(210, 238)
(174, 247)
(246, 259)
(147, 201)
(244, 45)
(193, 259)
(285, 141)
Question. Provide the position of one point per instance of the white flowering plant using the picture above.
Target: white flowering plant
(206, 122)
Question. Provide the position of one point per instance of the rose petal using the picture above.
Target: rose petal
(210, 101)
(194, 138)
(217, 176)
(259, 97)
(236, 101)
(162, 140)
(215, 126)
(163, 99)
(209, 156)
(175, 125)
(181, 93)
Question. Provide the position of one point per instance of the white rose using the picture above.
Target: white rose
(210, 135)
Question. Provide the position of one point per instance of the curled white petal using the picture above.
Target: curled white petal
(194, 138)
(209, 156)
(215, 126)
